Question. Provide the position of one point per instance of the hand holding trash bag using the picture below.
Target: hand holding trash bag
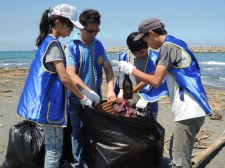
(92, 95)
(86, 102)
(95, 97)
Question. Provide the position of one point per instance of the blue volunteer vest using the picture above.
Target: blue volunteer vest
(148, 93)
(189, 78)
(98, 61)
(43, 99)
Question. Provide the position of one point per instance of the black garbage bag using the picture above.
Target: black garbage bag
(25, 146)
(115, 141)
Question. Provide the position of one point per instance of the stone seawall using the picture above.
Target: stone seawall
(194, 49)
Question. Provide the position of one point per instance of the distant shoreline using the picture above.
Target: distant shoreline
(194, 49)
(117, 49)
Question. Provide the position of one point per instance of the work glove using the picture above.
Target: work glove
(92, 95)
(86, 102)
(126, 67)
(141, 104)
(95, 97)
(120, 95)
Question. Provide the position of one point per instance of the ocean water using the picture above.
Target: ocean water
(16, 59)
(212, 64)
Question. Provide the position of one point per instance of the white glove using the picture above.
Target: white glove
(92, 96)
(126, 67)
(86, 102)
(141, 104)
(120, 95)
(95, 97)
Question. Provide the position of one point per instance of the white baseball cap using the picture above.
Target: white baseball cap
(69, 12)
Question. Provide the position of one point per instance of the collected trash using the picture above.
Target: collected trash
(117, 141)
(25, 146)
(118, 106)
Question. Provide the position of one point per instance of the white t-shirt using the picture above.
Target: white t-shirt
(189, 108)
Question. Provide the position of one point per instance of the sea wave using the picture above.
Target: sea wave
(213, 63)
(14, 65)
(209, 69)
(204, 77)
(114, 61)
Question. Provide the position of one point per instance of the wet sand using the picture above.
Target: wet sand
(12, 82)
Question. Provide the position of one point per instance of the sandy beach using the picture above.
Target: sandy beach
(12, 82)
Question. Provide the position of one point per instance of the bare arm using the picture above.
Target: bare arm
(139, 87)
(153, 79)
(110, 81)
(94, 97)
(66, 80)
(76, 79)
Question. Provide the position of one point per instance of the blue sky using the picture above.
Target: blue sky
(197, 22)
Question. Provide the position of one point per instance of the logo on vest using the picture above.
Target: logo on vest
(100, 59)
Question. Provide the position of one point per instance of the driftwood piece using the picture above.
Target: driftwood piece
(2, 93)
(5, 91)
(216, 117)
(200, 136)
(201, 156)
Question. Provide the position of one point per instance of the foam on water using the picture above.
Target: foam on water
(211, 64)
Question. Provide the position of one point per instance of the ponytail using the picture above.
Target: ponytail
(48, 22)
(44, 27)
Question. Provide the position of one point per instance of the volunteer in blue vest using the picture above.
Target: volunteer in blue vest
(144, 59)
(187, 95)
(44, 98)
(86, 57)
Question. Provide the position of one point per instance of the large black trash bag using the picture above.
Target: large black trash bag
(25, 146)
(115, 141)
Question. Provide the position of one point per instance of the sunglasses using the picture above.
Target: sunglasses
(92, 30)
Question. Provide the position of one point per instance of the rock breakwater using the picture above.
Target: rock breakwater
(203, 49)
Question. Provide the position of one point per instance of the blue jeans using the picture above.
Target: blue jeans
(53, 146)
(76, 118)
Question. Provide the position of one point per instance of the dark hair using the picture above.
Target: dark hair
(47, 23)
(160, 31)
(135, 46)
(90, 16)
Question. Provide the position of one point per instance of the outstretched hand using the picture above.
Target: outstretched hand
(126, 67)
(111, 96)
